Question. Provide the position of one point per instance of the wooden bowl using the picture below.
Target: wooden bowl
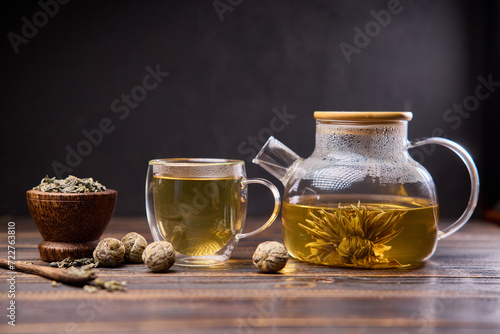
(71, 224)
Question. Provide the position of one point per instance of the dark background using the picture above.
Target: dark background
(227, 73)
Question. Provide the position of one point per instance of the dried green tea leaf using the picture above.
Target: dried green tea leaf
(110, 285)
(68, 262)
(71, 184)
(76, 272)
(90, 288)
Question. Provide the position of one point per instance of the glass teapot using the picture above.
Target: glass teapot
(360, 200)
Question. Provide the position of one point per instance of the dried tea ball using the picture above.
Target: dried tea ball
(134, 246)
(270, 257)
(109, 252)
(159, 256)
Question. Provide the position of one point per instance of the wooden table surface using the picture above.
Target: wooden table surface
(457, 291)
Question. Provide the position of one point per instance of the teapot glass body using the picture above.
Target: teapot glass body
(360, 200)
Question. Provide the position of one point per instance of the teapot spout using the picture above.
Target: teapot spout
(276, 158)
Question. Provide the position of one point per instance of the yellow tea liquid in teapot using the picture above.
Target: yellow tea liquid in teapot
(388, 232)
(360, 200)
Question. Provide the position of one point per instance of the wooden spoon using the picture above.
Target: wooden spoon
(55, 274)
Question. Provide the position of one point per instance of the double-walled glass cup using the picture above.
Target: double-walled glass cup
(199, 206)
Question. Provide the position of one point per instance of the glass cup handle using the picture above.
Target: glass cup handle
(474, 179)
(277, 205)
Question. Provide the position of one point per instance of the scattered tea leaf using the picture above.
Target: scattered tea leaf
(110, 285)
(90, 288)
(68, 262)
(78, 272)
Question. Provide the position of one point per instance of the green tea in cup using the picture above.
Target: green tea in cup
(199, 206)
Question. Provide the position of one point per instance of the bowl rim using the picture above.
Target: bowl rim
(34, 194)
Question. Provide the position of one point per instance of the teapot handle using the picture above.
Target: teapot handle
(474, 179)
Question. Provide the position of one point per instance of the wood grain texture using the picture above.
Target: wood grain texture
(457, 291)
(70, 223)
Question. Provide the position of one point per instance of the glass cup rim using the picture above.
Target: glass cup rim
(195, 162)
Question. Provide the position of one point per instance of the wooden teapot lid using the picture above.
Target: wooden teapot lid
(364, 116)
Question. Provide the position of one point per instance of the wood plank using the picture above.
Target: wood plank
(458, 290)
